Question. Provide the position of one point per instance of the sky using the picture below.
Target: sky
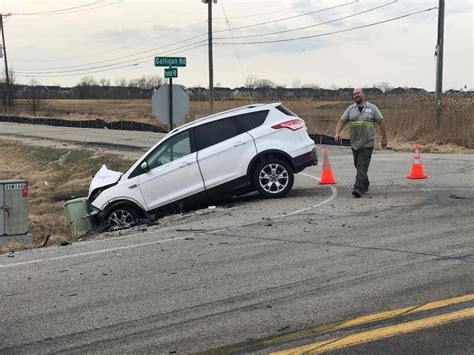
(293, 43)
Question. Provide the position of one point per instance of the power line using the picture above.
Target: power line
(291, 17)
(271, 12)
(193, 37)
(235, 47)
(119, 48)
(103, 66)
(117, 58)
(317, 24)
(111, 69)
(70, 10)
(331, 33)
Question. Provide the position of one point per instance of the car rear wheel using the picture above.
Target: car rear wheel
(273, 178)
(122, 217)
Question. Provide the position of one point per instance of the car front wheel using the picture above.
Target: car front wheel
(273, 178)
(121, 217)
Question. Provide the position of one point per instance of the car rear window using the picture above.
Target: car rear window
(215, 132)
(287, 112)
(252, 120)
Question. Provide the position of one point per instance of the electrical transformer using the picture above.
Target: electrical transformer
(14, 211)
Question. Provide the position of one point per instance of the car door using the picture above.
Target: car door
(224, 151)
(172, 172)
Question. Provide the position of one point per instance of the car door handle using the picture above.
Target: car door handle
(133, 186)
(185, 163)
(239, 143)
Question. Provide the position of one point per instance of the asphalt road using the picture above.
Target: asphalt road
(391, 272)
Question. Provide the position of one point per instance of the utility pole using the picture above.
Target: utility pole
(439, 62)
(211, 62)
(8, 91)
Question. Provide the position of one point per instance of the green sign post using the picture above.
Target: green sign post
(171, 73)
(170, 61)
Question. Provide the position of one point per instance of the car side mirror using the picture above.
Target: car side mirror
(145, 167)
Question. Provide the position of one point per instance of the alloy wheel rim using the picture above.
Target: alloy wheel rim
(273, 178)
(121, 218)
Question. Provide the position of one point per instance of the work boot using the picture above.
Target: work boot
(356, 193)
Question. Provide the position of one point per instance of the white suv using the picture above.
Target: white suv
(256, 147)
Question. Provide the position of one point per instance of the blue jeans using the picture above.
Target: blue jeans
(362, 158)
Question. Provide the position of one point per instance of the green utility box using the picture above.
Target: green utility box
(14, 212)
(75, 210)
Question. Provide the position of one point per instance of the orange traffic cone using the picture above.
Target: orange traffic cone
(417, 168)
(326, 176)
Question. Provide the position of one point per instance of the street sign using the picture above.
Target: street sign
(170, 61)
(171, 73)
(160, 104)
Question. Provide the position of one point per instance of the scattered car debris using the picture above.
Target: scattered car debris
(451, 195)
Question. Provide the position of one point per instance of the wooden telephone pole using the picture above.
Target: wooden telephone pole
(8, 98)
(439, 62)
(211, 61)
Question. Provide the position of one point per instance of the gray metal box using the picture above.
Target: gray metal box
(13, 210)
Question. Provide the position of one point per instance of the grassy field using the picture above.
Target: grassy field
(410, 119)
(54, 176)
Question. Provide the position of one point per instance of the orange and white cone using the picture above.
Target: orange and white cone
(417, 168)
(326, 177)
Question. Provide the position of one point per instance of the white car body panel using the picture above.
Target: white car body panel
(227, 160)
(294, 143)
(170, 182)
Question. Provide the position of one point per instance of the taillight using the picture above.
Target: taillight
(291, 124)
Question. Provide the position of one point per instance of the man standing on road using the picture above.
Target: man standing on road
(362, 117)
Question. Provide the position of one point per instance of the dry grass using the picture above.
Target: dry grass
(140, 110)
(410, 119)
(54, 176)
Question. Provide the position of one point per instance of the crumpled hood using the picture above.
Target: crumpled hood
(103, 178)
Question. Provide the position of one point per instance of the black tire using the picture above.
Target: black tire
(121, 216)
(273, 178)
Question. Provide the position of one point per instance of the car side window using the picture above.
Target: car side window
(252, 120)
(215, 132)
(174, 148)
(287, 112)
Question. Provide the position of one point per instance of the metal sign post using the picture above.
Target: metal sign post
(170, 73)
(171, 104)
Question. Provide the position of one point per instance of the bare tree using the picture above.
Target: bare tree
(122, 82)
(35, 96)
(146, 82)
(154, 81)
(87, 87)
(264, 84)
(104, 82)
(251, 82)
(384, 86)
(88, 81)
